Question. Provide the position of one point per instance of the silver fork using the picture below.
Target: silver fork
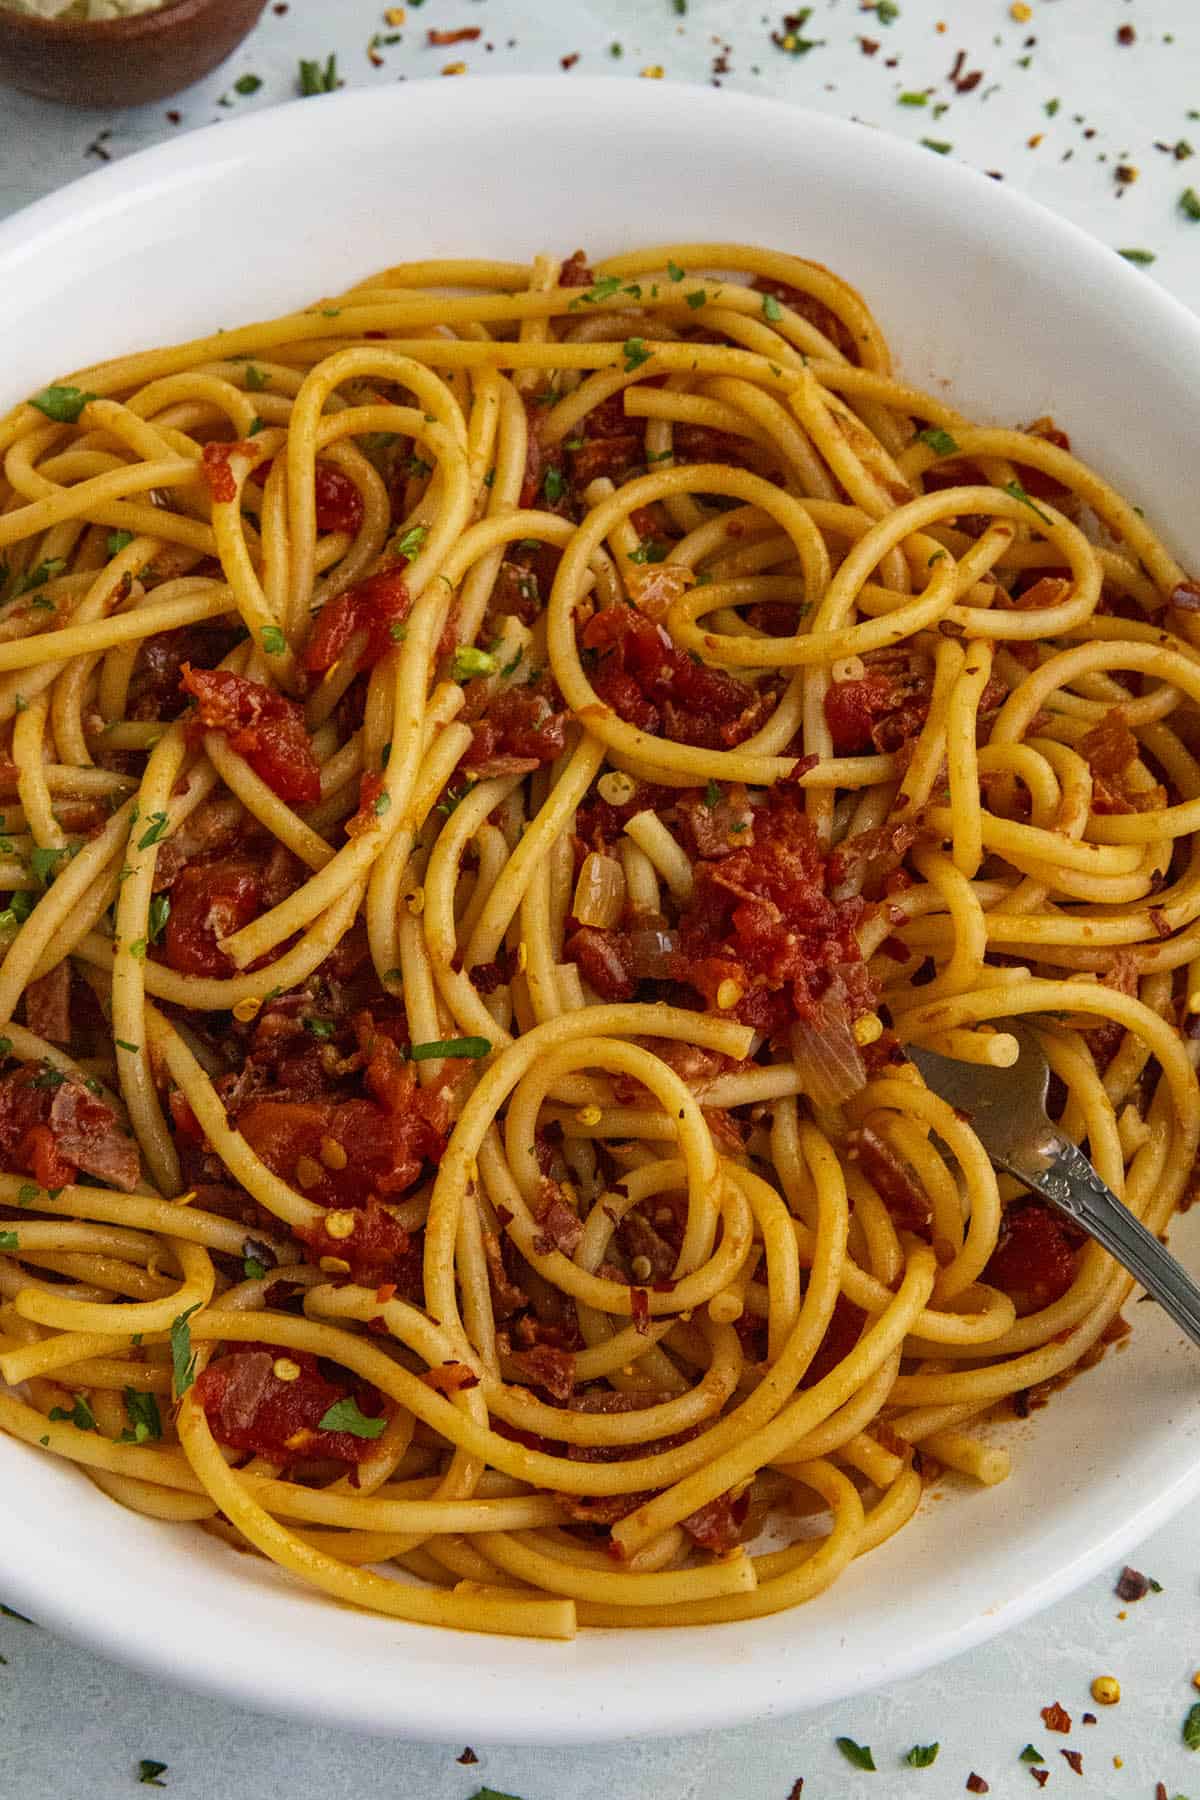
(1007, 1110)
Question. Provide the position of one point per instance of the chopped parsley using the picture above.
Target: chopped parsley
(1018, 493)
(1051, 107)
(886, 11)
(160, 912)
(922, 1755)
(273, 640)
(80, 1415)
(155, 832)
(939, 441)
(344, 1415)
(603, 289)
(697, 299)
(5, 1046)
(144, 1418)
(1143, 258)
(27, 1193)
(554, 484)
(913, 98)
(466, 1046)
(117, 541)
(1030, 1755)
(940, 146)
(469, 662)
(138, 949)
(1189, 203)
(124, 1044)
(675, 272)
(636, 354)
(771, 309)
(382, 803)
(183, 1357)
(9, 1240)
(62, 404)
(319, 1028)
(1191, 1728)
(859, 1755)
(149, 1772)
(39, 576)
(256, 425)
(315, 79)
(712, 795)
(411, 542)
(247, 84)
(648, 551)
(45, 862)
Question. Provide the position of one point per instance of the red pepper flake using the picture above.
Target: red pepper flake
(1088, 1719)
(1033, 142)
(1132, 1584)
(868, 46)
(1160, 921)
(976, 1784)
(797, 1788)
(280, 8)
(174, 118)
(466, 34)
(1126, 174)
(970, 81)
(385, 1293)
(1056, 1718)
(450, 1378)
(467, 1758)
(1041, 1776)
(639, 1307)
(1160, 1790)
(568, 62)
(1126, 34)
(1074, 1758)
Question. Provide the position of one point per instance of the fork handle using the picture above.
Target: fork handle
(1062, 1174)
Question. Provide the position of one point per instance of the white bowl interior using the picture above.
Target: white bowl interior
(1008, 311)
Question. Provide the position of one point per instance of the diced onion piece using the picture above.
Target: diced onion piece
(600, 891)
(828, 1061)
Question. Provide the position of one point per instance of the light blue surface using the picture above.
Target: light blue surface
(74, 1726)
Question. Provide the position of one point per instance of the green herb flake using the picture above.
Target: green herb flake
(554, 484)
(675, 272)
(138, 949)
(615, 49)
(45, 862)
(712, 795)
(1191, 1728)
(155, 832)
(160, 912)
(382, 803)
(142, 1411)
(9, 1240)
(344, 1415)
(256, 379)
(1030, 1755)
(939, 146)
(912, 98)
(1189, 203)
(318, 79)
(149, 1772)
(397, 631)
(465, 1046)
(649, 552)
(39, 576)
(5, 1046)
(636, 354)
(922, 1755)
(117, 541)
(273, 640)
(252, 1269)
(771, 309)
(247, 84)
(1143, 258)
(62, 404)
(124, 1044)
(858, 1755)
(1051, 107)
(80, 1415)
(1018, 493)
(410, 543)
(939, 441)
(886, 11)
(256, 425)
(697, 299)
(183, 1358)
(27, 1193)
(319, 1028)
(469, 663)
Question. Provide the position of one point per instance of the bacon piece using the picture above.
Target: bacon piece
(865, 860)
(561, 1228)
(450, 1378)
(650, 683)
(54, 1127)
(546, 1367)
(612, 456)
(715, 830)
(1132, 1585)
(576, 272)
(1034, 1260)
(251, 1408)
(261, 725)
(48, 1005)
(605, 960)
(717, 1526)
(522, 724)
(373, 607)
(507, 1297)
(841, 1335)
(214, 467)
(1109, 749)
(891, 1178)
(812, 309)
(87, 1133)
(976, 1784)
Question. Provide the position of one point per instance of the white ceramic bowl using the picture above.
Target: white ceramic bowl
(1016, 314)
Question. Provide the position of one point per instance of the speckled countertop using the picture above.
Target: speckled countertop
(1091, 106)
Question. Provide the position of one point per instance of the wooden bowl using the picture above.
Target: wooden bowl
(122, 62)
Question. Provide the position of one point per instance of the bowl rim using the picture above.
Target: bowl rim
(56, 1595)
(98, 32)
